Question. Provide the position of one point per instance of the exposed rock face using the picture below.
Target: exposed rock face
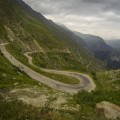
(109, 110)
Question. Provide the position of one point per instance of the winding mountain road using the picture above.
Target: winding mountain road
(86, 82)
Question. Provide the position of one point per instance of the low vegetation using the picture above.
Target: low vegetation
(57, 60)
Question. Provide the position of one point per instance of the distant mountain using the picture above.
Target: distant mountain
(101, 50)
(97, 45)
(28, 30)
(114, 44)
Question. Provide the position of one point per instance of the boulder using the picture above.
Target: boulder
(108, 110)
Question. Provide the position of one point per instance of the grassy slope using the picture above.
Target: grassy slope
(31, 113)
(58, 60)
(108, 89)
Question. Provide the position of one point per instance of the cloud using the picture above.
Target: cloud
(99, 17)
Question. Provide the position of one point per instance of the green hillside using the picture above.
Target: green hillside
(27, 30)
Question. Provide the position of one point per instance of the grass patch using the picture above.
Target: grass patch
(62, 78)
(58, 60)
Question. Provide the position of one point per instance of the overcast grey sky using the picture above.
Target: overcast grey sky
(97, 17)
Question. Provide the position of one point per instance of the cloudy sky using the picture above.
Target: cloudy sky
(97, 17)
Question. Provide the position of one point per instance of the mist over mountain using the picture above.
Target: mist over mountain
(114, 43)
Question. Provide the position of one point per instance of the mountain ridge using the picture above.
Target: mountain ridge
(25, 26)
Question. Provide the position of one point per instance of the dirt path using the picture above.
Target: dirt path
(86, 82)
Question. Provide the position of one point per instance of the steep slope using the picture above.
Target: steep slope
(27, 30)
(114, 44)
(101, 50)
